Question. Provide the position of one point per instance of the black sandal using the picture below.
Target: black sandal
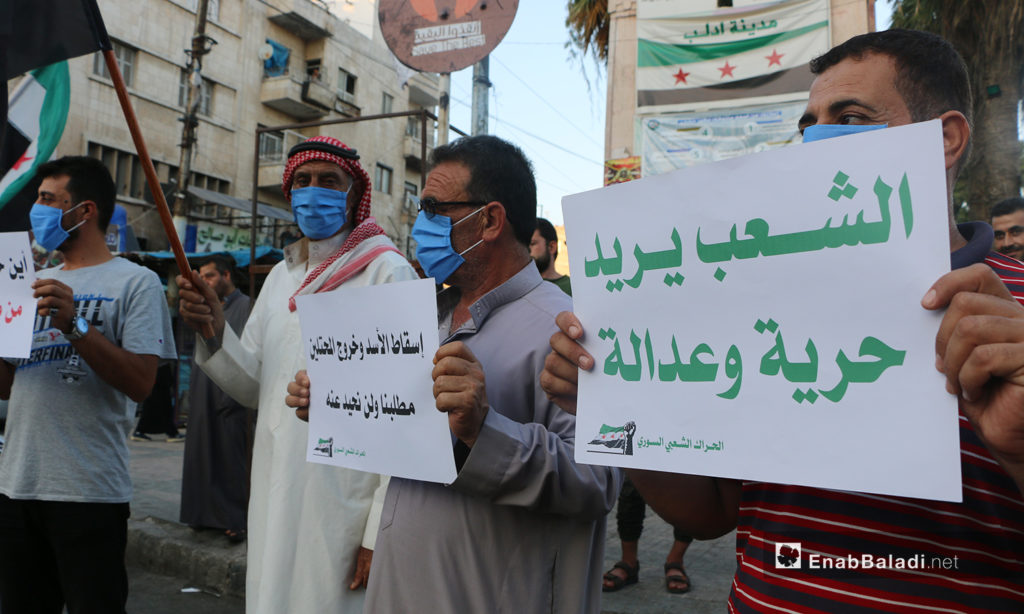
(677, 579)
(617, 581)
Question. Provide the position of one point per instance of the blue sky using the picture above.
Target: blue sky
(540, 101)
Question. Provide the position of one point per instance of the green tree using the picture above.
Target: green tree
(989, 34)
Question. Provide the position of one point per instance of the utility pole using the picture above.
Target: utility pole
(201, 45)
(481, 89)
(445, 89)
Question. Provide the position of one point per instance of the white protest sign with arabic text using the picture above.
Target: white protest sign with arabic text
(369, 355)
(760, 318)
(17, 307)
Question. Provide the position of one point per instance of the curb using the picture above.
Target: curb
(201, 558)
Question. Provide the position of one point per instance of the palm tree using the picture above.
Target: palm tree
(989, 34)
(588, 23)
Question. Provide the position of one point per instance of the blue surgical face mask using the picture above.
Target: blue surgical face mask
(319, 212)
(820, 132)
(46, 227)
(433, 236)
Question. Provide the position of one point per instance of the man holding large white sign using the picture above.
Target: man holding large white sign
(805, 547)
(521, 528)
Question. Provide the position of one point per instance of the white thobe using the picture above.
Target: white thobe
(306, 521)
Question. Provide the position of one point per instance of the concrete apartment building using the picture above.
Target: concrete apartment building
(847, 18)
(326, 64)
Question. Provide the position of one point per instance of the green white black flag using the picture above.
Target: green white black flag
(731, 53)
(37, 112)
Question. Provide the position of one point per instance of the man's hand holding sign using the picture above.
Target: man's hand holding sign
(980, 350)
(970, 330)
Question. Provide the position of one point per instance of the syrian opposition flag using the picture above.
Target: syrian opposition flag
(760, 50)
(35, 34)
(613, 437)
(36, 115)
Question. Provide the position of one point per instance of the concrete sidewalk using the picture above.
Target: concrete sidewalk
(157, 543)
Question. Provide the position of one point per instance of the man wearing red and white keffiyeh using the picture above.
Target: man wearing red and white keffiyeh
(312, 528)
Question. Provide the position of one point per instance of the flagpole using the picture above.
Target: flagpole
(151, 178)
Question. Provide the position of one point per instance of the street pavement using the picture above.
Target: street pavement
(151, 593)
(165, 557)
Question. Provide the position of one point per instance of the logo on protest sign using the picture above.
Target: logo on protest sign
(614, 439)
(787, 555)
(324, 447)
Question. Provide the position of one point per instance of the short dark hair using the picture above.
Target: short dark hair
(547, 230)
(224, 263)
(498, 171)
(930, 74)
(88, 179)
(1008, 206)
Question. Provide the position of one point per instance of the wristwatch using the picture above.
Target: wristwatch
(79, 328)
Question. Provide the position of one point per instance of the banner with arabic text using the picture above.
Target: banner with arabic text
(729, 53)
(670, 141)
(212, 237)
(759, 318)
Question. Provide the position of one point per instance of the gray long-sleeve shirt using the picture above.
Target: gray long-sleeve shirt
(522, 527)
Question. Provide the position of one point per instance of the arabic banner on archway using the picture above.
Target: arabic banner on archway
(733, 52)
(760, 318)
(670, 141)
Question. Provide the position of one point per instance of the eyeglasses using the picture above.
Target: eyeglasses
(430, 204)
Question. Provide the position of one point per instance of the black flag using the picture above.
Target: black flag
(36, 33)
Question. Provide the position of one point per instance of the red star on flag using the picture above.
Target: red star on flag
(727, 70)
(24, 158)
(774, 58)
(681, 77)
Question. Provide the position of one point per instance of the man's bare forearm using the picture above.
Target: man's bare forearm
(132, 374)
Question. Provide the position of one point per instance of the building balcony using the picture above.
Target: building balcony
(412, 149)
(423, 89)
(303, 18)
(303, 100)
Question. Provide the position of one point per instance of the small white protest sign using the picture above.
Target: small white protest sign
(760, 318)
(369, 355)
(17, 307)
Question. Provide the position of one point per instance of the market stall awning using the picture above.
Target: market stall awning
(242, 205)
(241, 256)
